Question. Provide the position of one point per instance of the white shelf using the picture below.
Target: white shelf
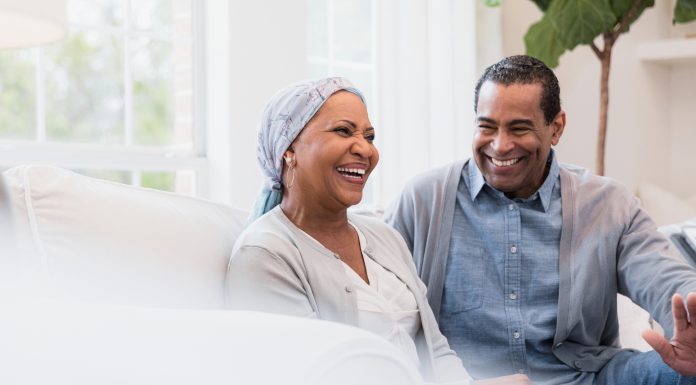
(672, 51)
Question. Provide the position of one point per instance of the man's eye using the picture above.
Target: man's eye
(370, 137)
(520, 130)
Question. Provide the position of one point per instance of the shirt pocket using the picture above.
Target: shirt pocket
(464, 280)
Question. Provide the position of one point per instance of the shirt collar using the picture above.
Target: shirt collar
(545, 192)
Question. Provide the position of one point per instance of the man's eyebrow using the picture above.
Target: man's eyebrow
(487, 120)
(526, 122)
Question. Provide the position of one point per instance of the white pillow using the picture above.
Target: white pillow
(664, 207)
(98, 240)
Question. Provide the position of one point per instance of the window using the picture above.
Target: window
(114, 99)
(340, 41)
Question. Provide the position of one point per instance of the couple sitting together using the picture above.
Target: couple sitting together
(522, 256)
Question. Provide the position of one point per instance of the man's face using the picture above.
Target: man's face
(512, 141)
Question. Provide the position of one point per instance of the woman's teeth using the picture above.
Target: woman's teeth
(351, 172)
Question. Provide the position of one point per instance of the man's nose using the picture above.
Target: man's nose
(502, 143)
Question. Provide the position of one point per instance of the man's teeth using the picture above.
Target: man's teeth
(501, 163)
(358, 171)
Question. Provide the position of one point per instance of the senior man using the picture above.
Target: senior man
(523, 256)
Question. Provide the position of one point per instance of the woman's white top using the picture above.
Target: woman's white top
(386, 306)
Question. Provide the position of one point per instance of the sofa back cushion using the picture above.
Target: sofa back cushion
(84, 238)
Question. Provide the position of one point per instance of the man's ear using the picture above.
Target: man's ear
(557, 126)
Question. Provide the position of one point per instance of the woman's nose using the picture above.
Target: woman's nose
(363, 147)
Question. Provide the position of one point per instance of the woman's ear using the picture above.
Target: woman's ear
(289, 157)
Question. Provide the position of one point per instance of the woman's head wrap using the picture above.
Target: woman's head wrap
(284, 117)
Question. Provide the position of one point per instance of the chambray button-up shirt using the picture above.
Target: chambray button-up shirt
(500, 298)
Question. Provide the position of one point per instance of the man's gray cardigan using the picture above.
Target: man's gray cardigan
(608, 245)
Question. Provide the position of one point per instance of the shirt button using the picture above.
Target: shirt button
(349, 289)
(511, 207)
(513, 296)
(558, 345)
(513, 249)
(516, 335)
(578, 364)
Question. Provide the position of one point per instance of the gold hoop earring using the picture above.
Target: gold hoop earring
(288, 161)
(292, 178)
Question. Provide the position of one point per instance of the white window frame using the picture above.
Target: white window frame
(87, 156)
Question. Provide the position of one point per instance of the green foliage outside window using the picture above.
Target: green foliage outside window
(17, 95)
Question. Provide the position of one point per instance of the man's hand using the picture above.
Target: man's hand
(680, 352)
(515, 379)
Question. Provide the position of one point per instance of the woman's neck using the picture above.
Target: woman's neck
(315, 219)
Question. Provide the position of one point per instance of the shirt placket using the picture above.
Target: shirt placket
(513, 267)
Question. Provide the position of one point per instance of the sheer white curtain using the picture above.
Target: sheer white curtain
(429, 54)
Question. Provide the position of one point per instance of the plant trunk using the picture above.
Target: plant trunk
(603, 105)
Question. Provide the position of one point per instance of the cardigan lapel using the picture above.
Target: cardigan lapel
(565, 263)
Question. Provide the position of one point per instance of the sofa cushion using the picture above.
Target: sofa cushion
(96, 240)
(664, 207)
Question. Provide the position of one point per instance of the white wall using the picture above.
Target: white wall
(651, 116)
(256, 47)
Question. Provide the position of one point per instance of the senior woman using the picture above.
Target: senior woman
(305, 255)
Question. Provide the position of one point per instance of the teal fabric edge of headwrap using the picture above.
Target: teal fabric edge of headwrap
(267, 200)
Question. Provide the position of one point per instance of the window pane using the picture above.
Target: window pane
(317, 70)
(96, 13)
(153, 92)
(360, 78)
(180, 182)
(162, 69)
(317, 28)
(153, 15)
(119, 176)
(84, 88)
(17, 94)
(353, 30)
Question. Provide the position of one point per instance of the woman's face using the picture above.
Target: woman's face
(334, 154)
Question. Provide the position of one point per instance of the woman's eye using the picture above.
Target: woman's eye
(343, 131)
(370, 137)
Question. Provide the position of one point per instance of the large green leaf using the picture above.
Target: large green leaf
(621, 8)
(542, 42)
(580, 21)
(542, 4)
(684, 11)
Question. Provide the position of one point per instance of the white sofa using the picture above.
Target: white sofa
(111, 284)
(105, 243)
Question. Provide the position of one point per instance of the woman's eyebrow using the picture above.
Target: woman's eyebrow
(349, 122)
